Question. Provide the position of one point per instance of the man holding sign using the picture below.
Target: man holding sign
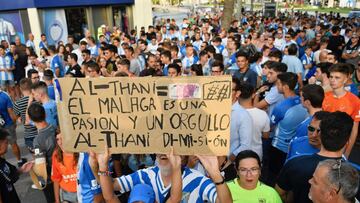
(195, 186)
(149, 115)
(146, 115)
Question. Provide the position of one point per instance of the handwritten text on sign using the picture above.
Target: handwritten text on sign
(146, 115)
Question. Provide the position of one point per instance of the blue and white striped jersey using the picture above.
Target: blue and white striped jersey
(6, 62)
(196, 187)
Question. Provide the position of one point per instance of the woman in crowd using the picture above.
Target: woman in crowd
(44, 58)
(64, 175)
(247, 187)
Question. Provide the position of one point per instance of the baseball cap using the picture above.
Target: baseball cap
(143, 193)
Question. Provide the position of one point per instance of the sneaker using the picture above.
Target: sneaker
(21, 162)
(33, 186)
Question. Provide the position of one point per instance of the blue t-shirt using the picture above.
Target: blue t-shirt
(165, 70)
(299, 40)
(249, 77)
(87, 186)
(51, 113)
(5, 104)
(287, 116)
(56, 63)
(51, 92)
(300, 146)
(352, 88)
(302, 131)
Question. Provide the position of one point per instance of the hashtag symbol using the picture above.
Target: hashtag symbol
(212, 92)
(223, 93)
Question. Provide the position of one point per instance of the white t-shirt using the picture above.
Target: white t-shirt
(80, 59)
(261, 123)
(153, 48)
(317, 55)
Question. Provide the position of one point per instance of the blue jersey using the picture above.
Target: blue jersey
(51, 92)
(51, 113)
(299, 41)
(302, 131)
(6, 62)
(87, 186)
(352, 88)
(232, 59)
(56, 63)
(219, 49)
(196, 187)
(42, 45)
(187, 62)
(5, 104)
(165, 70)
(287, 116)
(300, 146)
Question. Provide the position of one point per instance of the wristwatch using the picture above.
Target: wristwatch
(221, 182)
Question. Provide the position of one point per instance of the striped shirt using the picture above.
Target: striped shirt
(20, 107)
(7, 30)
(195, 188)
(188, 61)
(6, 62)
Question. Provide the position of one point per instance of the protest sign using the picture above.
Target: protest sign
(146, 115)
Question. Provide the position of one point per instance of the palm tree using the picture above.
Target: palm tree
(227, 13)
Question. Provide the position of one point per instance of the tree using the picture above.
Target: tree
(227, 13)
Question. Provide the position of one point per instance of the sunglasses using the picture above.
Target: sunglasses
(312, 129)
(337, 166)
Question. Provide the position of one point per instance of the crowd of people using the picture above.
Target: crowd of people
(294, 120)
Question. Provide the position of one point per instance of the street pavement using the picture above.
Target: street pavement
(23, 185)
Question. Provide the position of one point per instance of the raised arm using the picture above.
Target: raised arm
(211, 165)
(176, 179)
(103, 175)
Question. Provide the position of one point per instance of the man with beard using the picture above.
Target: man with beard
(195, 186)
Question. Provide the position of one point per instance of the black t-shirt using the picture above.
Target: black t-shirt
(296, 173)
(75, 71)
(8, 176)
(20, 62)
(336, 41)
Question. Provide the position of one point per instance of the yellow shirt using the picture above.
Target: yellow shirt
(261, 194)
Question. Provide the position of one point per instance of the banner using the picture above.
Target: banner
(146, 115)
(11, 26)
(55, 25)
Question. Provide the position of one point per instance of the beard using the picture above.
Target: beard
(165, 170)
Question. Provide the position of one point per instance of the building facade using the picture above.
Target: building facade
(59, 18)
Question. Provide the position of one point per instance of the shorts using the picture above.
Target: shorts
(12, 133)
(70, 197)
(7, 83)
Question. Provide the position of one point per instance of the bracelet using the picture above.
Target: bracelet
(104, 173)
(220, 183)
